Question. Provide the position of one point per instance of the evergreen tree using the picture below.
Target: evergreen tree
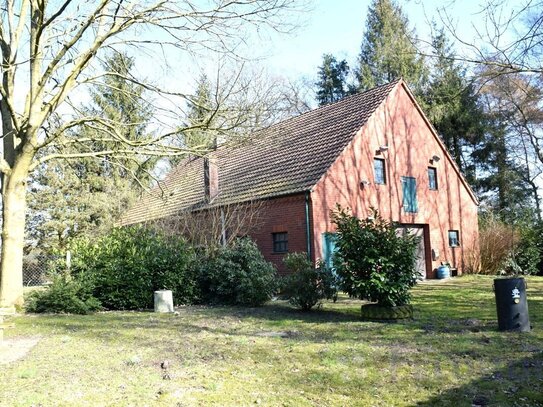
(388, 51)
(331, 85)
(500, 183)
(474, 128)
(69, 198)
(123, 109)
(66, 202)
(200, 136)
(452, 105)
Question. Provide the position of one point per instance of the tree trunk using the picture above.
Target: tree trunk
(13, 229)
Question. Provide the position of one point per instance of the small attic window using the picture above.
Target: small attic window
(432, 178)
(379, 170)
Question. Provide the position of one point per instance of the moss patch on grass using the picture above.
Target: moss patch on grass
(449, 354)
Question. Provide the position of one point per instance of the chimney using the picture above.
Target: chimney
(211, 179)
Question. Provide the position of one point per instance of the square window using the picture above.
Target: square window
(379, 169)
(453, 238)
(280, 242)
(432, 178)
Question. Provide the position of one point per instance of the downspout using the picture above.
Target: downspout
(307, 226)
(223, 228)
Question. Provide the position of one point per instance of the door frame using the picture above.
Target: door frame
(426, 241)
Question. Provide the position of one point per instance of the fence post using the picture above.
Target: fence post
(68, 260)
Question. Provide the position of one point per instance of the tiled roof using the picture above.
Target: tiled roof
(287, 158)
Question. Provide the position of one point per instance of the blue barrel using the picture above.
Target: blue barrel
(443, 272)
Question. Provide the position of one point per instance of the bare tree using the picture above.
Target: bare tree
(50, 54)
(508, 37)
(218, 225)
(505, 55)
(517, 99)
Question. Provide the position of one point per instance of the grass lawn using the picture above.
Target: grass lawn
(450, 354)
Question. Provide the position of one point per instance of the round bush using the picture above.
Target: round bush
(307, 286)
(64, 295)
(236, 275)
(373, 261)
(126, 266)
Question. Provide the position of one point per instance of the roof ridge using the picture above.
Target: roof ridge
(289, 156)
(342, 100)
(194, 157)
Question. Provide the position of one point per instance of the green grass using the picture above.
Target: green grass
(450, 354)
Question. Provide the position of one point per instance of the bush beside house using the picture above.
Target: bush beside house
(236, 275)
(306, 286)
(508, 248)
(374, 262)
(127, 265)
(121, 270)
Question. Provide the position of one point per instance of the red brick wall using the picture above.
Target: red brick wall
(398, 124)
(286, 214)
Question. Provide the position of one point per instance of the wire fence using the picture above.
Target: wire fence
(36, 269)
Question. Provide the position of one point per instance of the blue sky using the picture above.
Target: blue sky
(336, 26)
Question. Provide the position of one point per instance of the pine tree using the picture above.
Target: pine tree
(119, 102)
(332, 85)
(66, 202)
(452, 105)
(500, 184)
(199, 136)
(388, 51)
(69, 198)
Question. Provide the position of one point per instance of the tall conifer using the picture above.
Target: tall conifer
(388, 51)
(331, 84)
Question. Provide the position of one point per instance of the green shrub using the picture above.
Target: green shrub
(528, 253)
(126, 266)
(373, 260)
(64, 295)
(236, 275)
(307, 286)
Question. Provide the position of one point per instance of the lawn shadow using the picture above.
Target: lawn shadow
(518, 384)
(281, 310)
(276, 316)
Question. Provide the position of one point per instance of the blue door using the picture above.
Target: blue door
(409, 190)
(328, 248)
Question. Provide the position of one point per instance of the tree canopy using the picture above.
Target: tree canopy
(331, 84)
(388, 51)
(51, 54)
(69, 198)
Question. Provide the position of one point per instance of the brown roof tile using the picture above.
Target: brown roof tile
(287, 158)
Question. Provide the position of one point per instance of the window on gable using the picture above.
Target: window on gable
(379, 169)
(280, 242)
(432, 178)
(453, 238)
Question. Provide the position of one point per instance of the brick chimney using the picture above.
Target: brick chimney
(211, 178)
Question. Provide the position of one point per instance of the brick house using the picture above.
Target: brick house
(374, 149)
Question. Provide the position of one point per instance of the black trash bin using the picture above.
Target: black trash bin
(511, 304)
